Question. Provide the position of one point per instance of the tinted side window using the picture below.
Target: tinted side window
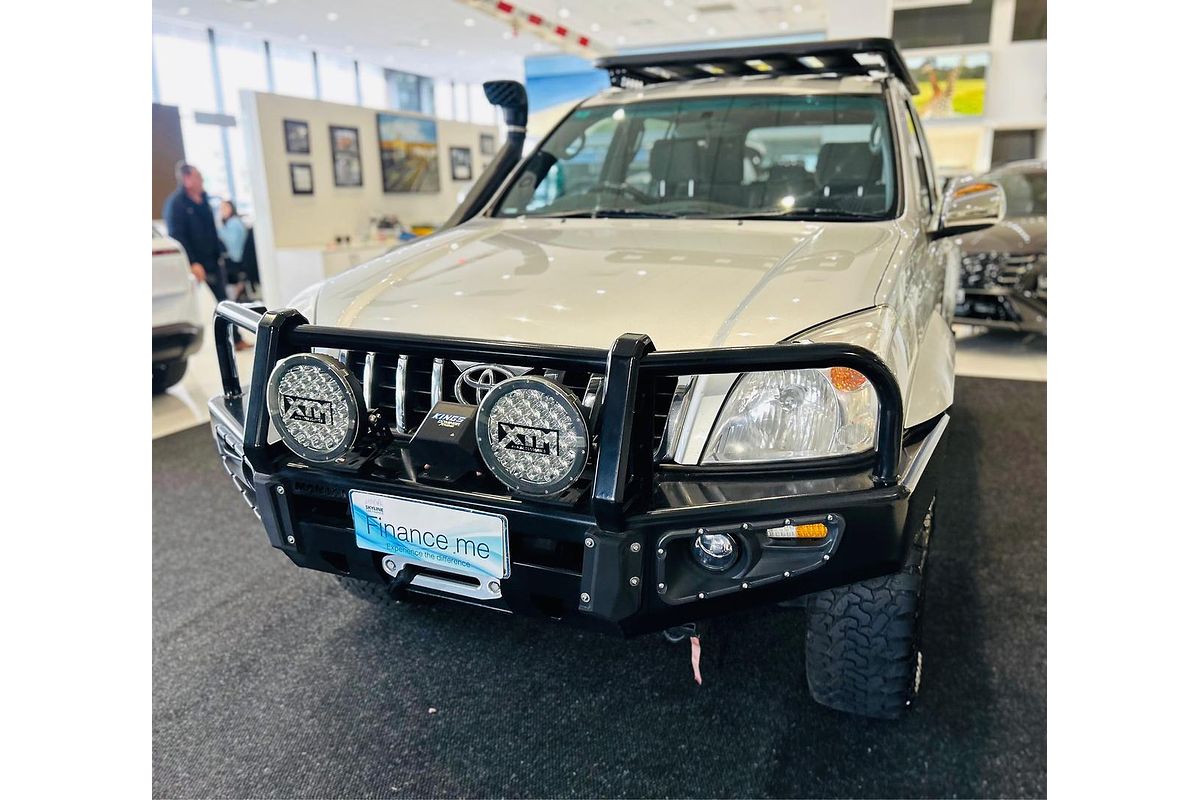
(920, 167)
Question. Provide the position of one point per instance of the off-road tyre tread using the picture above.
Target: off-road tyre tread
(862, 643)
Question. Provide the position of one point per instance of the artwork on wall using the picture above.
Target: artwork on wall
(408, 150)
(302, 179)
(347, 157)
(460, 164)
(487, 144)
(295, 135)
(950, 85)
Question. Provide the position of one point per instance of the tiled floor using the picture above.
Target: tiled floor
(980, 355)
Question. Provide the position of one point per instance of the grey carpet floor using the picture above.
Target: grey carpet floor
(270, 681)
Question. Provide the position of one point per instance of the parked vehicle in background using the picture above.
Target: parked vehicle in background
(691, 356)
(176, 321)
(1003, 280)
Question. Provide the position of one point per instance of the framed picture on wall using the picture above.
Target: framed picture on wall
(408, 152)
(487, 144)
(460, 164)
(302, 179)
(295, 135)
(347, 157)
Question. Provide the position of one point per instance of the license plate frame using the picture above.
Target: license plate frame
(469, 547)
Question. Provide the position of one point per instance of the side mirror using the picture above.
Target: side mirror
(970, 205)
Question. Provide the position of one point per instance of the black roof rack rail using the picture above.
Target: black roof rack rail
(840, 57)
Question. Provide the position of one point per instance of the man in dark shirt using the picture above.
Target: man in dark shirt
(190, 222)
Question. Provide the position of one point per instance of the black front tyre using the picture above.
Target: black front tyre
(863, 642)
(168, 373)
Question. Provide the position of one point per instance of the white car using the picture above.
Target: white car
(690, 356)
(178, 326)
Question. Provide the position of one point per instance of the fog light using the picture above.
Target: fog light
(715, 551)
(316, 406)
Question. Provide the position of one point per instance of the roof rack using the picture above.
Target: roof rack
(842, 57)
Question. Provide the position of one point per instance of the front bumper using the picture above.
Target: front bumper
(1002, 309)
(617, 560)
(176, 341)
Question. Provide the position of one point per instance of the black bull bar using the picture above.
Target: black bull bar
(624, 456)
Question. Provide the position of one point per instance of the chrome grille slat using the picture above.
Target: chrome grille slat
(401, 381)
(405, 403)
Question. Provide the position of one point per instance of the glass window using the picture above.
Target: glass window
(481, 109)
(919, 165)
(941, 26)
(243, 64)
(373, 84)
(185, 76)
(1029, 22)
(293, 71)
(337, 79)
(443, 99)
(813, 156)
(1018, 145)
(204, 149)
(408, 92)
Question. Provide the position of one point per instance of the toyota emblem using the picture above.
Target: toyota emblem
(476, 381)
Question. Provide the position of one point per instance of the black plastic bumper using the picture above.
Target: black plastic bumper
(620, 559)
(173, 342)
(1001, 309)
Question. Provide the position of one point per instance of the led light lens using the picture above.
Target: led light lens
(316, 406)
(811, 530)
(533, 435)
(716, 552)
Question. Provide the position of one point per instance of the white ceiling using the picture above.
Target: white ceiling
(452, 39)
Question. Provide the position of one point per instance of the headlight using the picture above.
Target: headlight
(795, 414)
(316, 406)
(809, 413)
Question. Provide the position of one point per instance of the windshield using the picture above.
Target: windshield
(799, 156)
(1024, 193)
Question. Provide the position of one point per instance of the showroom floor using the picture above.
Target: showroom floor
(270, 681)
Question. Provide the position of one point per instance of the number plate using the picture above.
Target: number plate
(470, 544)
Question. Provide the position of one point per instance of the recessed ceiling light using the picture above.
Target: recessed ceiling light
(332, 16)
(303, 37)
(349, 48)
(711, 31)
(184, 11)
(272, 2)
(692, 17)
(668, 3)
(424, 43)
(595, 27)
(469, 22)
(797, 8)
(564, 12)
(783, 26)
(247, 24)
(621, 40)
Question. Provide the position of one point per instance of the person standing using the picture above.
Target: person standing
(190, 222)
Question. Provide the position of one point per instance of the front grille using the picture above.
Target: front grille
(422, 381)
(998, 270)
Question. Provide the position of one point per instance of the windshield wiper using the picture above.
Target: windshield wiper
(812, 214)
(611, 213)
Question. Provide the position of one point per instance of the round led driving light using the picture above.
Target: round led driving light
(316, 405)
(715, 551)
(533, 435)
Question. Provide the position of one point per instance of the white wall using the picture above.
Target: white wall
(1016, 92)
(287, 220)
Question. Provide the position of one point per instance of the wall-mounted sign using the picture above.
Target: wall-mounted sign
(295, 136)
(408, 152)
(950, 85)
(347, 157)
(302, 178)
